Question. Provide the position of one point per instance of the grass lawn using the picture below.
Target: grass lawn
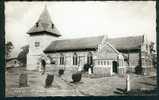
(62, 86)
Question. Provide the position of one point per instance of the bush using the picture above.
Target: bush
(86, 67)
(49, 80)
(61, 72)
(76, 77)
(138, 69)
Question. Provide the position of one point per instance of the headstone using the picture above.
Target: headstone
(89, 71)
(128, 83)
(23, 78)
(49, 80)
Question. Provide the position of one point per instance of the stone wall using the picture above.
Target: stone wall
(68, 57)
(104, 71)
(35, 52)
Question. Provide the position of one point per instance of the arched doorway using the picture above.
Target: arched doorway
(115, 66)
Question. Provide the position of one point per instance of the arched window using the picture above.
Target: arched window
(101, 62)
(75, 59)
(52, 25)
(61, 59)
(98, 62)
(90, 58)
(104, 62)
(37, 24)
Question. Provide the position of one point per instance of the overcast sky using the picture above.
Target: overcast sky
(82, 19)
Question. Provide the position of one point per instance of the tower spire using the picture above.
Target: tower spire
(44, 24)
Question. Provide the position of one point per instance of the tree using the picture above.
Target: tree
(22, 56)
(8, 48)
(152, 47)
(153, 55)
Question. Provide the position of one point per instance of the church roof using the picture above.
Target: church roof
(74, 44)
(127, 43)
(124, 43)
(44, 25)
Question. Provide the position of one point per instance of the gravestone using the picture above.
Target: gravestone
(128, 83)
(89, 71)
(48, 81)
(23, 79)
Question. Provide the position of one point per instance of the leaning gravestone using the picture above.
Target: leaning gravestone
(48, 81)
(23, 79)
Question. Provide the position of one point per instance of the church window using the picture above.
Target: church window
(101, 62)
(52, 25)
(37, 24)
(37, 44)
(75, 59)
(98, 62)
(108, 62)
(90, 58)
(104, 62)
(61, 59)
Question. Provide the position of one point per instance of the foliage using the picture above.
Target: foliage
(76, 77)
(61, 72)
(22, 56)
(152, 47)
(8, 48)
(86, 67)
(138, 69)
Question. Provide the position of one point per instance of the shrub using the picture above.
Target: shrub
(49, 80)
(86, 67)
(138, 69)
(76, 77)
(61, 72)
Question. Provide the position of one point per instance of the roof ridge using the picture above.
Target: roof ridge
(127, 37)
(79, 38)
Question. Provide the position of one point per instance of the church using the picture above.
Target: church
(108, 55)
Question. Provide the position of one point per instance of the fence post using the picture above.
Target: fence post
(128, 87)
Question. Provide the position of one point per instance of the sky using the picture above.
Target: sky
(82, 19)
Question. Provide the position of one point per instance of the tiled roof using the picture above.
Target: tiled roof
(92, 42)
(132, 42)
(74, 44)
(44, 24)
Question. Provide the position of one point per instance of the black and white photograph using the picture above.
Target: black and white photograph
(91, 48)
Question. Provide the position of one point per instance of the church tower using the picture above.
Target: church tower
(40, 36)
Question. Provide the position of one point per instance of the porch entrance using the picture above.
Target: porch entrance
(115, 66)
